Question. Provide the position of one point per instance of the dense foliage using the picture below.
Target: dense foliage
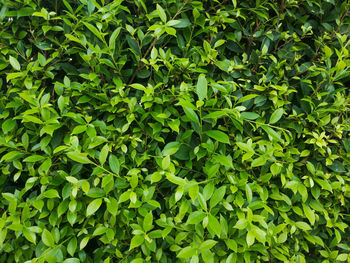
(174, 131)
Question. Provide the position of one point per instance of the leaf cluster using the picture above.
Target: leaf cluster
(174, 131)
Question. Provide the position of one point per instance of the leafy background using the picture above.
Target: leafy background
(174, 131)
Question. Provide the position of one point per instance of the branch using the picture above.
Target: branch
(140, 64)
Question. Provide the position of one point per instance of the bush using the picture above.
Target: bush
(174, 131)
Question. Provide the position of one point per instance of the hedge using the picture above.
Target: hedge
(174, 131)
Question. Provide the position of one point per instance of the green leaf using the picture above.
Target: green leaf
(166, 162)
(47, 238)
(29, 235)
(218, 135)
(260, 161)
(274, 135)
(11, 155)
(187, 252)
(84, 242)
(94, 30)
(202, 87)
(114, 164)
(147, 222)
(34, 158)
(215, 115)
(113, 38)
(171, 148)
(208, 244)
(181, 23)
(223, 160)
(79, 157)
(161, 13)
(217, 196)
(191, 114)
(195, 218)
(250, 238)
(241, 224)
(93, 207)
(8, 125)
(103, 154)
(52, 193)
(136, 241)
(72, 246)
(245, 146)
(72, 260)
(214, 224)
(176, 180)
(249, 115)
(302, 225)
(14, 63)
(246, 98)
(276, 116)
(309, 214)
(112, 206)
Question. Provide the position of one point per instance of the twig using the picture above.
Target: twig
(140, 64)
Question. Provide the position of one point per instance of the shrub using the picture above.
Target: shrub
(174, 131)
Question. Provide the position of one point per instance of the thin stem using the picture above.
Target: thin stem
(141, 64)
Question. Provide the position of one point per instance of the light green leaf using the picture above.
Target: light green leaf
(260, 161)
(187, 252)
(214, 224)
(249, 115)
(161, 13)
(34, 158)
(113, 37)
(103, 154)
(218, 136)
(191, 114)
(114, 164)
(72, 246)
(47, 238)
(177, 180)
(241, 224)
(112, 206)
(136, 241)
(93, 206)
(171, 148)
(14, 63)
(94, 30)
(276, 115)
(52, 193)
(195, 218)
(8, 125)
(223, 160)
(147, 222)
(302, 225)
(309, 214)
(79, 157)
(202, 87)
(245, 146)
(250, 238)
(166, 162)
(84, 242)
(208, 244)
(217, 196)
(29, 235)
